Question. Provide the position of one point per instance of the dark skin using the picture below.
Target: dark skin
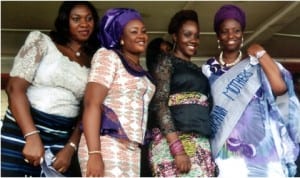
(187, 42)
(230, 36)
(80, 29)
(135, 40)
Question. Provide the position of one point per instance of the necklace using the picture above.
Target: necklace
(77, 53)
(230, 64)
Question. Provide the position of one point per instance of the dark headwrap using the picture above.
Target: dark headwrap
(112, 25)
(229, 12)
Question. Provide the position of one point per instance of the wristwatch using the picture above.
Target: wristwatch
(260, 54)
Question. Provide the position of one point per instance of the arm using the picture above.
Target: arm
(101, 77)
(162, 75)
(20, 108)
(21, 76)
(93, 99)
(64, 156)
(271, 70)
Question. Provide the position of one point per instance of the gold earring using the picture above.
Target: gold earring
(122, 42)
(242, 44)
(218, 41)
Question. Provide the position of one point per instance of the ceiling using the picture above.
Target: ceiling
(274, 24)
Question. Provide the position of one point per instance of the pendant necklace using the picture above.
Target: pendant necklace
(77, 53)
(230, 64)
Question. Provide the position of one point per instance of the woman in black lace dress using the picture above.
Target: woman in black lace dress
(181, 106)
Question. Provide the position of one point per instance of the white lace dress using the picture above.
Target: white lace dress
(56, 90)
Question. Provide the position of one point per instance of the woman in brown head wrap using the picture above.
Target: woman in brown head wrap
(253, 135)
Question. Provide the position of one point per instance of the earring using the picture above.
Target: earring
(174, 46)
(218, 41)
(122, 42)
(242, 44)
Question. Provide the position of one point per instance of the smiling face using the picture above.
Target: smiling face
(230, 35)
(81, 23)
(135, 37)
(187, 40)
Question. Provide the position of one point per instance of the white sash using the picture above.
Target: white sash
(232, 92)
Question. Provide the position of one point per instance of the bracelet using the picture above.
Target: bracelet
(260, 54)
(94, 152)
(73, 145)
(31, 133)
(176, 148)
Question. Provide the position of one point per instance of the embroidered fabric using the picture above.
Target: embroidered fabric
(188, 98)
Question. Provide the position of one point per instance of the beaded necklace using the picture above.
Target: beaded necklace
(230, 64)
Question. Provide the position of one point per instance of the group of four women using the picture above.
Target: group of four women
(235, 116)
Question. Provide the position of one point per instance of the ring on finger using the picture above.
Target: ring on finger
(26, 160)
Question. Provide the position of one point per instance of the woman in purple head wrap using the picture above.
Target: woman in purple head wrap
(255, 118)
(116, 98)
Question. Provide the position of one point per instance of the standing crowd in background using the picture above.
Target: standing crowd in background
(80, 104)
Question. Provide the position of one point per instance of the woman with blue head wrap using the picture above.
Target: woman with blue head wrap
(116, 98)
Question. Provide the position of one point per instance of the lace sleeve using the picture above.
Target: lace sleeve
(29, 56)
(162, 75)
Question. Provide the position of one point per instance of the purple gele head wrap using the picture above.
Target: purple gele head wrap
(112, 25)
(229, 12)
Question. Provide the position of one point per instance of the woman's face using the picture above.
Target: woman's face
(187, 40)
(81, 23)
(135, 37)
(230, 35)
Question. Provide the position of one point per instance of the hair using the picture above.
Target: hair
(180, 18)
(153, 49)
(61, 34)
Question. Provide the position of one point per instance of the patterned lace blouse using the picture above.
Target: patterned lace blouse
(57, 83)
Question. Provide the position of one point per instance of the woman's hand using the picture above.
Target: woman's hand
(33, 150)
(95, 166)
(254, 48)
(183, 163)
(62, 159)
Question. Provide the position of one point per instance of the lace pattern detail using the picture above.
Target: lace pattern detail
(29, 56)
(162, 74)
(57, 82)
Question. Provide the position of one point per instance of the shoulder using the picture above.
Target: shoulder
(106, 52)
(38, 39)
(37, 35)
(165, 59)
(103, 54)
(207, 66)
